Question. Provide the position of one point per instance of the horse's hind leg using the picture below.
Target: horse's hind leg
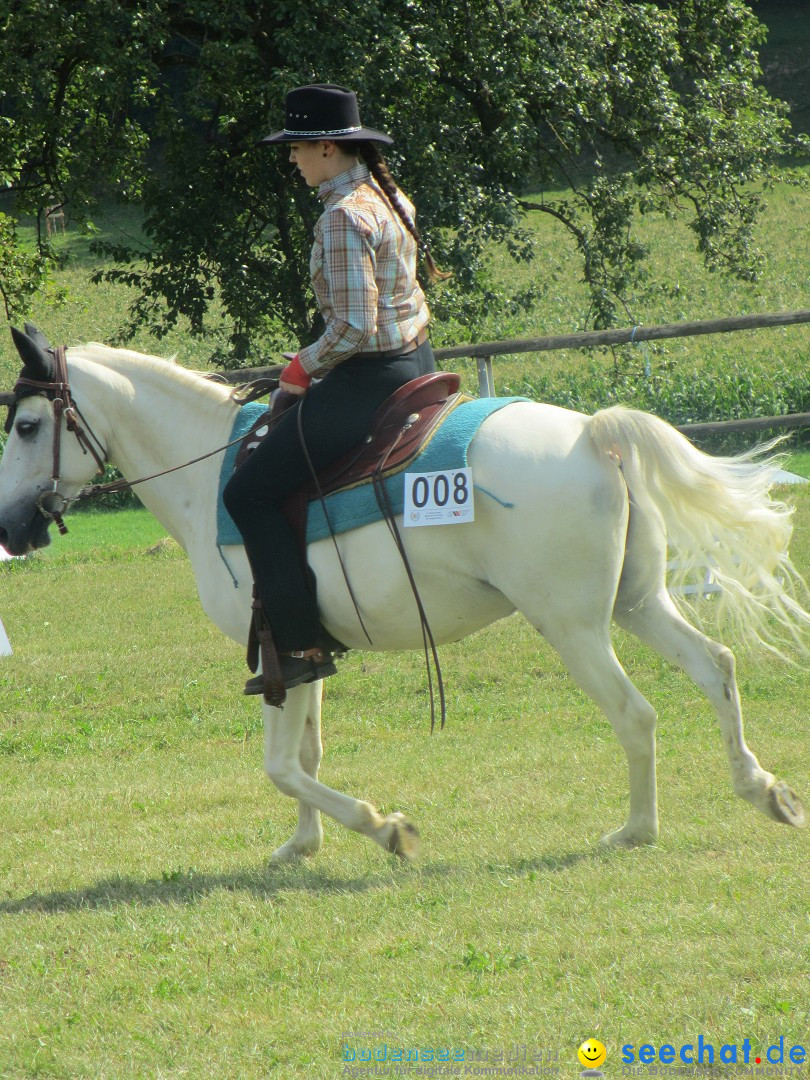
(588, 654)
(711, 666)
(292, 754)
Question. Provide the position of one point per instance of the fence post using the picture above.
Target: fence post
(486, 380)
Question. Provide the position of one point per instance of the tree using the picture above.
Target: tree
(72, 76)
(636, 105)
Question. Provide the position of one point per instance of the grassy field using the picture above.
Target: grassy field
(143, 933)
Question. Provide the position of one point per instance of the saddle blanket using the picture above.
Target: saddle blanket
(358, 506)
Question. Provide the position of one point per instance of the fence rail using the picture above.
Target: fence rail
(754, 423)
(628, 336)
(484, 352)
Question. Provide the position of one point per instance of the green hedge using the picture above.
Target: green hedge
(730, 392)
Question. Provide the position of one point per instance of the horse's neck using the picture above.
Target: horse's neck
(155, 419)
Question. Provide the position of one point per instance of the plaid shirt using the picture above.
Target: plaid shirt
(363, 270)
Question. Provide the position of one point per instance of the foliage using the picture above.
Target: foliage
(72, 78)
(111, 500)
(22, 273)
(634, 106)
(730, 391)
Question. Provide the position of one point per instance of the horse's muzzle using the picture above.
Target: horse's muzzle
(24, 530)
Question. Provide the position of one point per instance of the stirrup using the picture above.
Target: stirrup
(295, 669)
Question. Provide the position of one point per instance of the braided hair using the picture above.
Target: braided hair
(370, 154)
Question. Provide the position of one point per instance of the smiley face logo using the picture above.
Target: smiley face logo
(592, 1054)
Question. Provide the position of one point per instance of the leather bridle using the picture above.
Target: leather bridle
(52, 503)
(58, 391)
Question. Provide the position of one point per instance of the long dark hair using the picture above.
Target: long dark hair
(369, 153)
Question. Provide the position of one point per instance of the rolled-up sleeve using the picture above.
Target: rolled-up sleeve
(349, 285)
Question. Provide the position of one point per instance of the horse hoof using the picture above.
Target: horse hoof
(785, 805)
(403, 840)
(293, 852)
(624, 838)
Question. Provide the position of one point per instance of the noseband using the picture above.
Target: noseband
(53, 504)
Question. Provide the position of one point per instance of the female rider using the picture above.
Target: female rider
(363, 270)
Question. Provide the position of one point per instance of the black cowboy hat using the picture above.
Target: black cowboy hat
(323, 111)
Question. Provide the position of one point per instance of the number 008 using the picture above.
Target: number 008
(441, 490)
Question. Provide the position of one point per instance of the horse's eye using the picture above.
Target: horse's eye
(26, 429)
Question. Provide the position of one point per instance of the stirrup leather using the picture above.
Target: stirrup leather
(262, 647)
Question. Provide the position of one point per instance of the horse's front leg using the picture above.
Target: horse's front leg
(292, 755)
(308, 835)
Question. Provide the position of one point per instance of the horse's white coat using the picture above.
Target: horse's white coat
(566, 551)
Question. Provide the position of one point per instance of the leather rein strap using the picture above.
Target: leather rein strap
(53, 503)
(428, 640)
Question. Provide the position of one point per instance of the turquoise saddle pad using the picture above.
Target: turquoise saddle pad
(358, 506)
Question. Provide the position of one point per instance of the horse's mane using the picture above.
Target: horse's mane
(120, 359)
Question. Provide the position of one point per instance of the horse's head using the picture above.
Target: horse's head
(37, 450)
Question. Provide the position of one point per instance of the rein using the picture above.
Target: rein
(428, 641)
(114, 486)
(389, 517)
(242, 395)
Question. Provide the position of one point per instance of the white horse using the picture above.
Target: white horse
(576, 536)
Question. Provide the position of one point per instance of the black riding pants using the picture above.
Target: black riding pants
(336, 415)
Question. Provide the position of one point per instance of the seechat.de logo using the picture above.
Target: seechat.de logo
(592, 1054)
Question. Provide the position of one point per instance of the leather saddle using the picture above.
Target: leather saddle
(400, 428)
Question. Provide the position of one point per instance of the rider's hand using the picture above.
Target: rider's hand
(293, 378)
(291, 388)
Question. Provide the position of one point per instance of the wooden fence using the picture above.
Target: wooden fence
(484, 352)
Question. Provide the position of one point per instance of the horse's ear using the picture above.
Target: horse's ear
(37, 336)
(34, 357)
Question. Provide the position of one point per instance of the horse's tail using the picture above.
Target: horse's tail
(718, 516)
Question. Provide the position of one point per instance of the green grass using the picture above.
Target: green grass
(799, 464)
(108, 535)
(143, 934)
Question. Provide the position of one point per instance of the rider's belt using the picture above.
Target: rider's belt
(412, 346)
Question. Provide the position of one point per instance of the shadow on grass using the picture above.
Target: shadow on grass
(189, 887)
(549, 864)
(265, 882)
